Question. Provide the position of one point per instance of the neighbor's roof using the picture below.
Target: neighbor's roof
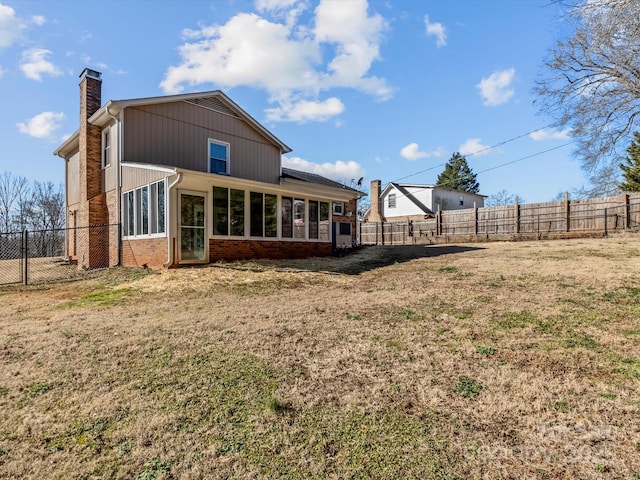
(212, 100)
(314, 178)
(417, 185)
(411, 197)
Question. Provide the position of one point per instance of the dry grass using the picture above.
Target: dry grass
(502, 360)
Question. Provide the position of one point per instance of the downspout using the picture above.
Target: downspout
(66, 207)
(118, 186)
(169, 223)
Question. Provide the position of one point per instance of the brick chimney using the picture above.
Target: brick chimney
(92, 209)
(90, 135)
(374, 209)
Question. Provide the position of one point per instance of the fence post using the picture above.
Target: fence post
(517, 215)
(627, 213)
(606, 232)
(438, 222)
(382, 232)
(567, 211)
(475, 218)
(25, 250)
(376, 233)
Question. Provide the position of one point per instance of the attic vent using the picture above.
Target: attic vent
(212, 103)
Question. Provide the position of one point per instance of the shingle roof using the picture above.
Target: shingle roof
(314, 178)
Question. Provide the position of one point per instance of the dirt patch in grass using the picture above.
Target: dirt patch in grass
(498, 360)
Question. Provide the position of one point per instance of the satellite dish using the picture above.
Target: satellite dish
(360, 181)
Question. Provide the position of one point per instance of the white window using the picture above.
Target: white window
(143, 211)
(338, 208)
(392, 200)
(218, 157)
(106, 147)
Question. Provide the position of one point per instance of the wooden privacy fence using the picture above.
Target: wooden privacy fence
(563, 219)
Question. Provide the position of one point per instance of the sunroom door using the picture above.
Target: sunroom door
(193, 248)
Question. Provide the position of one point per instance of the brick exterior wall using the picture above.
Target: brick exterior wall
(231, 250)
(149, 251)
(114, 231)
(349, 207)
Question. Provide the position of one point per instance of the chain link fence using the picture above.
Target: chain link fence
(38, 256)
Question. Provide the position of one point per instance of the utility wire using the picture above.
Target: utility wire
(499, 144)
(496, 166)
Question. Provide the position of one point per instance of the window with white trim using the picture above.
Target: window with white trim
(299, 223)
(338, 208)
(143, 211)
(106, 147)
(391, 200)
(218, 153)
(263, 214)
(228, 211)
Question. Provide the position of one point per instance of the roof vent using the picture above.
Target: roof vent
(213, 103)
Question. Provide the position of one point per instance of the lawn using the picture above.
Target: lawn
(496, 360)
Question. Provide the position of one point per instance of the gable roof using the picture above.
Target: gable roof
(314, 178)
(411, 197)
(213, 100)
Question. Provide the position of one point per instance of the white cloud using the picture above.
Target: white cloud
(357, 37)
(38, 20)
(304, 111)
(437, 30)
(285, 59)
(550, 134)
(2, 71)
(34, 64)
(496, 88)
(290, 10)
(412, 152)
(42, 125)
(473, 147)
(338, 170)
(11, 26)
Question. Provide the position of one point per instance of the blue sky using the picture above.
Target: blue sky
(381, 89)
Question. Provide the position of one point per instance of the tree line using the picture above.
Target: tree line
(30, 206)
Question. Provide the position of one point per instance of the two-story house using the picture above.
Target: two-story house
(188, 179)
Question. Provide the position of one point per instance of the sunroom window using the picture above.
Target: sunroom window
(143, 210)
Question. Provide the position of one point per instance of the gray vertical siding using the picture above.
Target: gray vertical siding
(109, 174)
(176, 134)
(72, 182)
(136, 177)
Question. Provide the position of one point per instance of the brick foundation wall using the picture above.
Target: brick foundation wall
(231, 250)
(149, 251)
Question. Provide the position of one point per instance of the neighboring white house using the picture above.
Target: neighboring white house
(402, 200)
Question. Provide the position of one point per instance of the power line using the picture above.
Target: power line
(499, 144)
(496, 166)
(525, 158)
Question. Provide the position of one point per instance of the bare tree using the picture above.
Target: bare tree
(591, 83)
(12, 190)
(45, 211)
(501, 199)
